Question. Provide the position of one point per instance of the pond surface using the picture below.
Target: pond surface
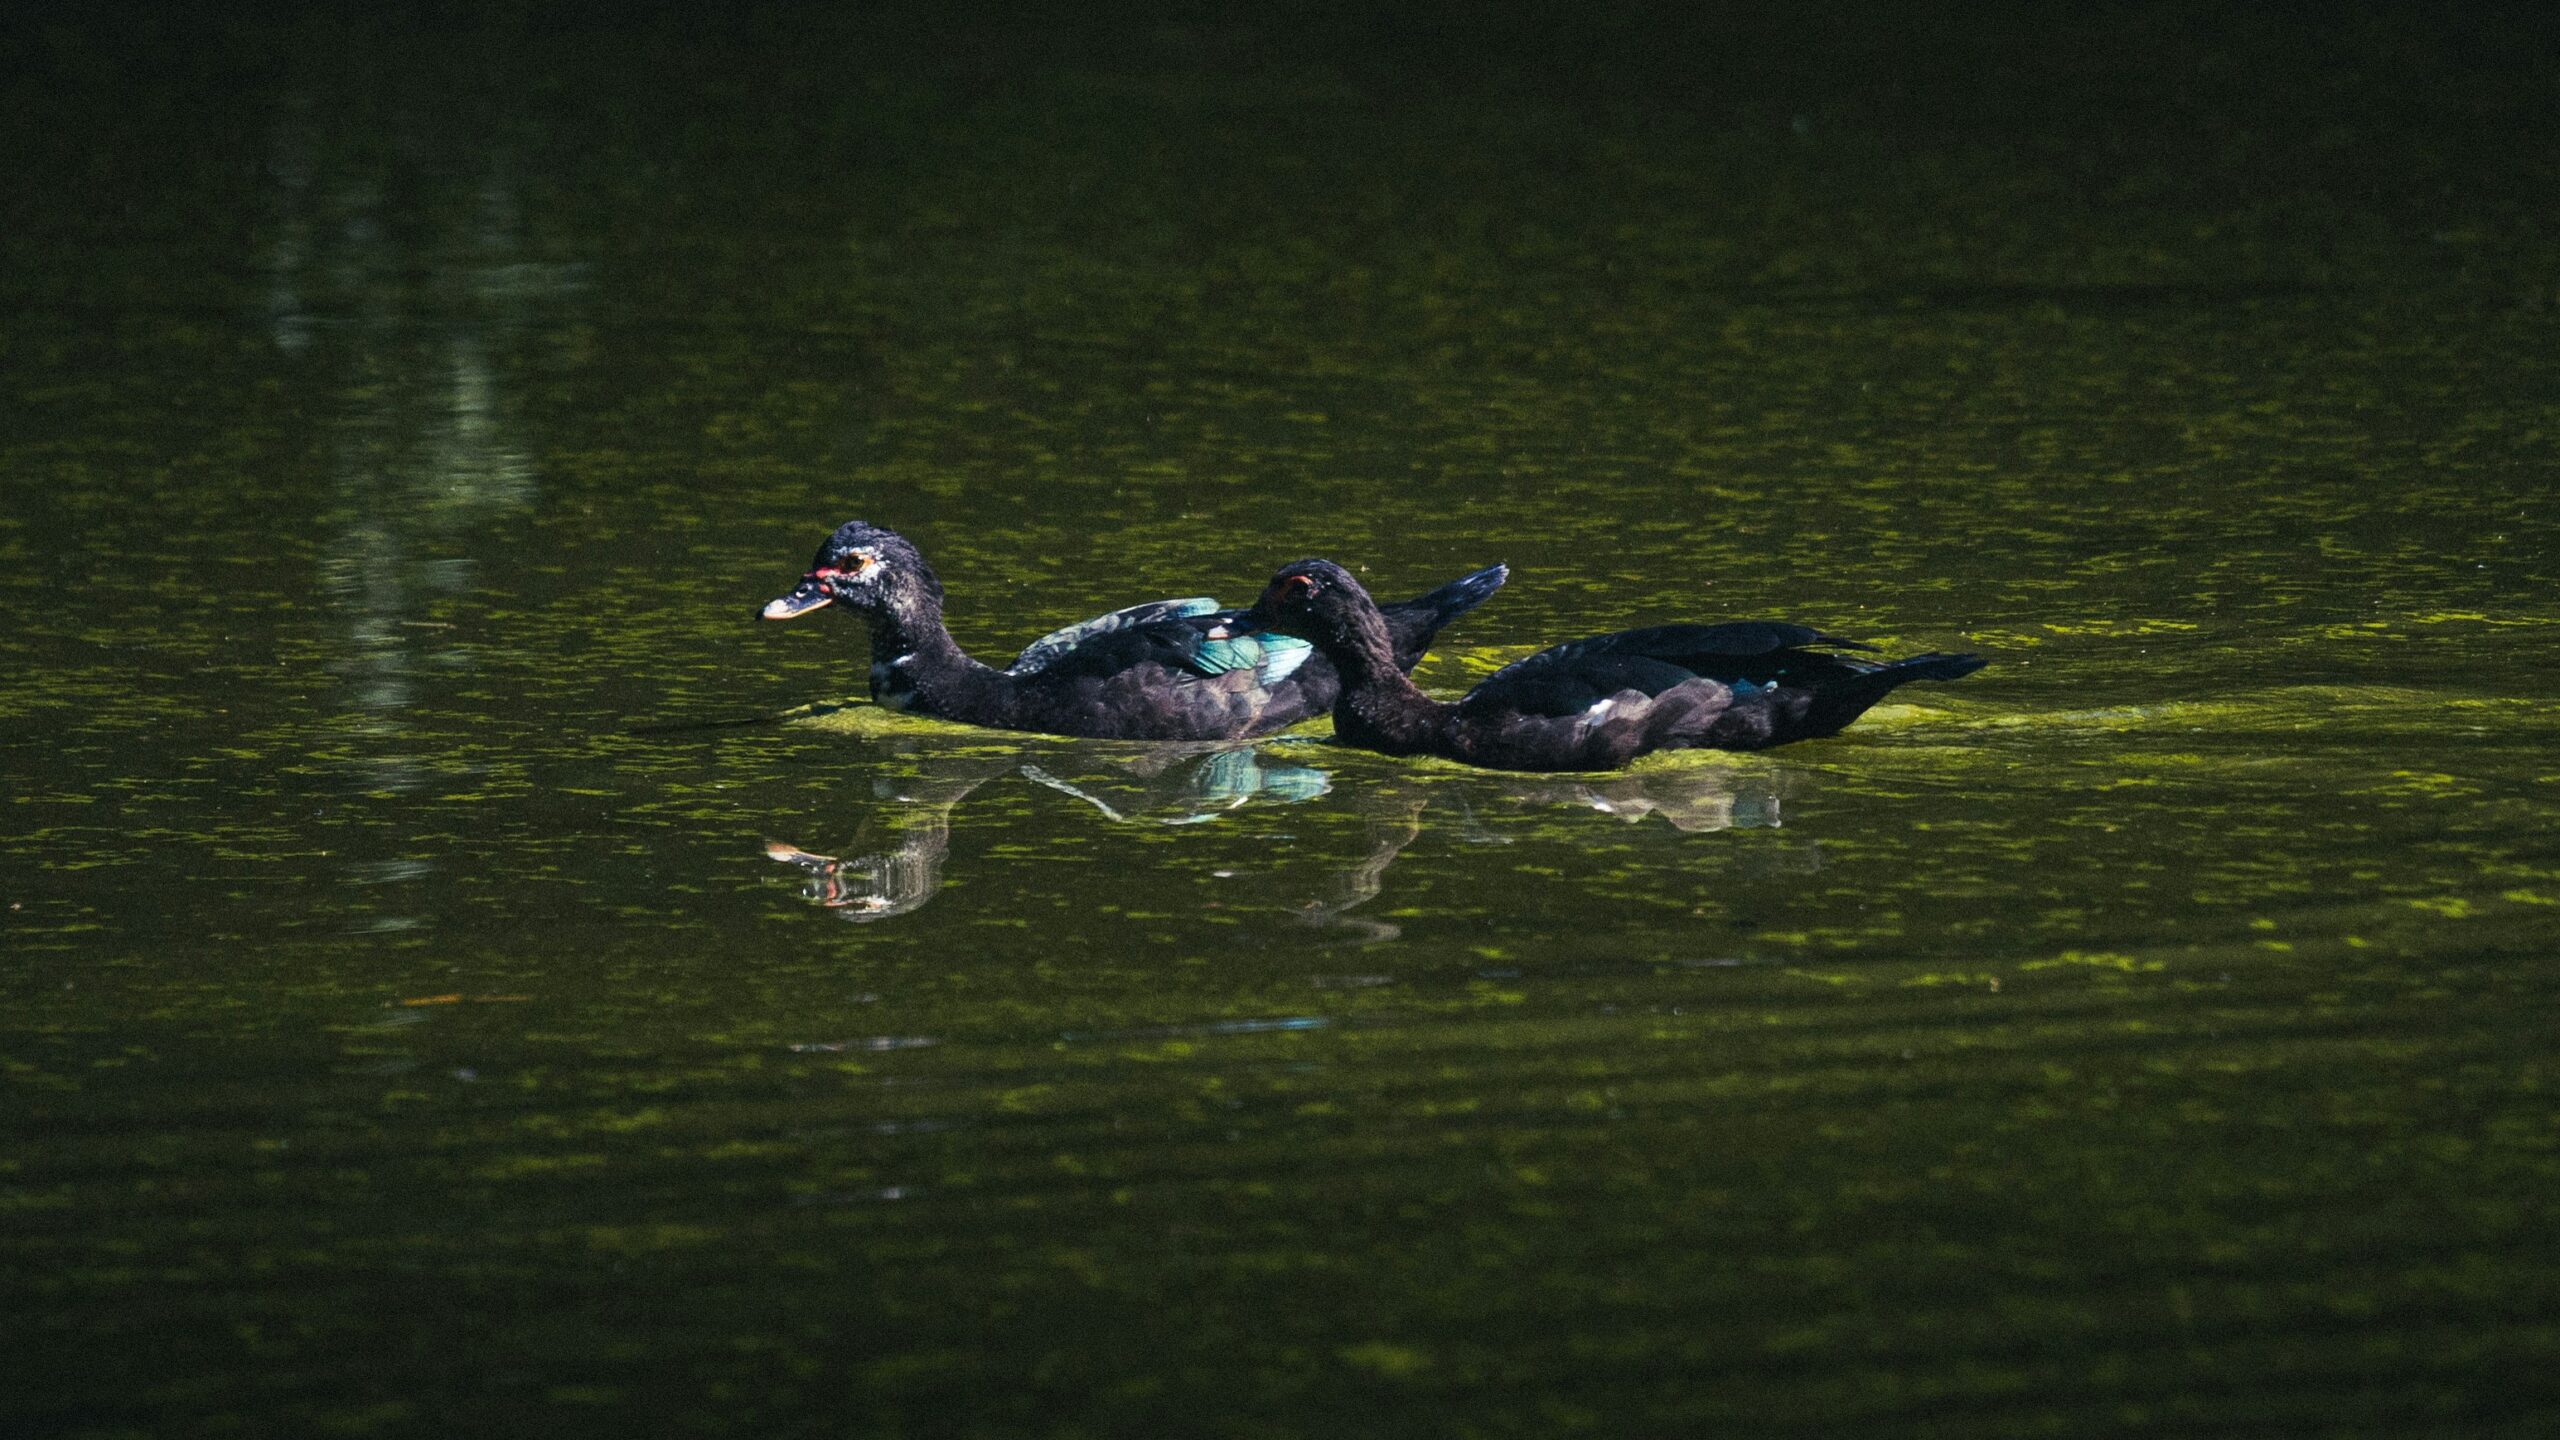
(464, 975)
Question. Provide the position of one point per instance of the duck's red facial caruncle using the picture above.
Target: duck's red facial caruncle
(855, 566)
(833, 578)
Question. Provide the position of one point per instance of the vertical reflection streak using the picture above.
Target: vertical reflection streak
(400, 276)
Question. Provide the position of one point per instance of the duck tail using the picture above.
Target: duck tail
(1933, 666)
(1412, 623)
(1464, 593)
(1837, 702)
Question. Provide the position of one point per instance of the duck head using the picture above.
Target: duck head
(865, 567)
(1311, 599)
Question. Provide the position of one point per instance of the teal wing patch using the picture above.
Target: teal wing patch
(1043, 652)
(1272, 658)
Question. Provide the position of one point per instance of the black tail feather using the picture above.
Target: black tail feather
(1838, 701)
(1463, 594)
(1935, 666)
(1412, 623)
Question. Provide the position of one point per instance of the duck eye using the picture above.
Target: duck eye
(1297, 587)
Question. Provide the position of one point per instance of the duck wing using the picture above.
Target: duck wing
(1759, 651)
(1040, 654)
(1272, 657)
(1184, 639)
(1569, 678)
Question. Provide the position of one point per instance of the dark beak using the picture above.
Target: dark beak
(810, 594)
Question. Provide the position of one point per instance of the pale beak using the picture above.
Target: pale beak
(806, 596)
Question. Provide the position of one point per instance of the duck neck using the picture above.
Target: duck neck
(1379, 708)
(914, 661)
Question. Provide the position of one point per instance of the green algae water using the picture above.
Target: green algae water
(464, 975)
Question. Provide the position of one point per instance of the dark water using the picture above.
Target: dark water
(409, 1028)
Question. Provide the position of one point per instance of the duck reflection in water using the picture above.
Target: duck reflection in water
(1694, 800)
(1159, 785)
(916, 818)
(1173, 786)
(901, 847)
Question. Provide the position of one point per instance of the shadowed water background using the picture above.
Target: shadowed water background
(409, 1028)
